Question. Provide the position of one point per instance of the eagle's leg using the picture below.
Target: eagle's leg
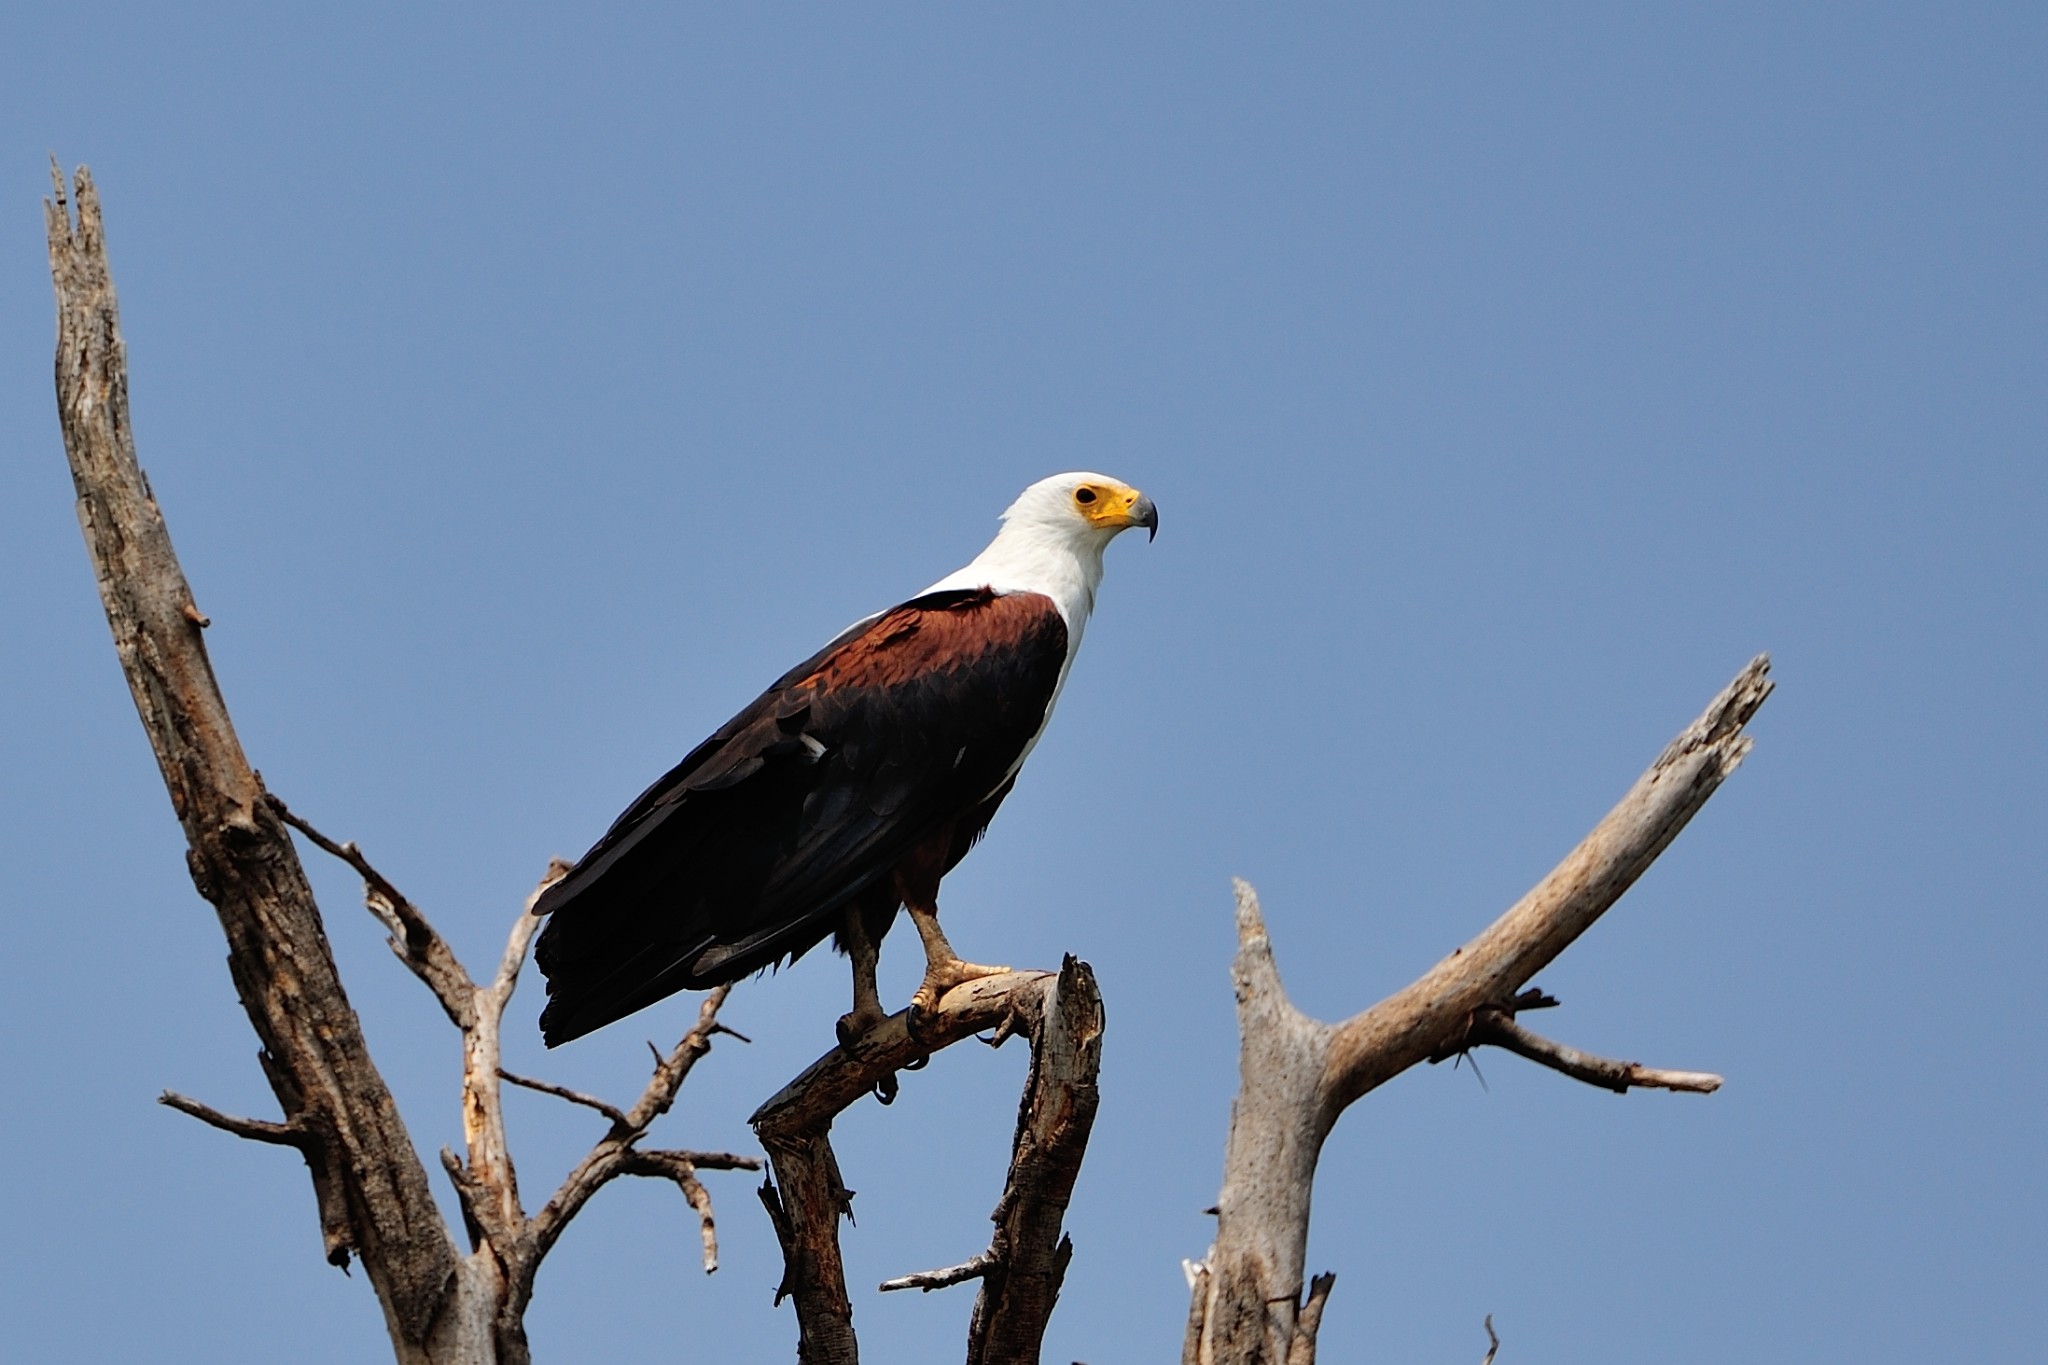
(943, 969)
(916, 884)
(861, 947)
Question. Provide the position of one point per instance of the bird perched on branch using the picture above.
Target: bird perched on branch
(846, 790)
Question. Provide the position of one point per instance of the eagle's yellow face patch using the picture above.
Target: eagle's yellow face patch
(1114, 506)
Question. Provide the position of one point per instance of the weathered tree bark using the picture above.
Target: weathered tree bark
(374, 1200)
(442, 1306)
(1297, 1074)
(1026, 1260)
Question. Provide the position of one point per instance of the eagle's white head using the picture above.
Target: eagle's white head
(1052, 541)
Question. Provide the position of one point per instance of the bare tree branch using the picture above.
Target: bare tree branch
(609, 1157)
(609, 1110)
(1296, 1074)
(1407, 1027)
(1492, 1342)
(928, 1280)
(414, 941)
(681, 1168)
(805, 1212)
(841, 1077)
(1054, 1118)
(1499, 1028)
(288, 1134)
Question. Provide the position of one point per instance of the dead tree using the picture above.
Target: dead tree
(1296, 1074)
(443, 1304)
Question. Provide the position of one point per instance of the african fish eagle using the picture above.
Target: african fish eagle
(846, 790)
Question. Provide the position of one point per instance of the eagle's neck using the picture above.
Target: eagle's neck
(1027, 556)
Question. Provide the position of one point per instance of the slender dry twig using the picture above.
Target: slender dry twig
(1499, 1028)
(928, 1280)
(681, 1168)
(608, 1158)
(291, 1133)
(605, 1107)
(414, 940)
(1492, 1342)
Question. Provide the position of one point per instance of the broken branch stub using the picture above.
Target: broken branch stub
(1025, 1263)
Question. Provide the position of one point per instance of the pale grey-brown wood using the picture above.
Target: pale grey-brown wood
(1297, 1074)
(442, 1305)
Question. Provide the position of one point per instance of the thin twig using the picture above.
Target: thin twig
(928, 1280)
(609, 1110)
(704, 1161)
(1493, 1342)
(614, 1150)
(521, 938)
(413, 938)
(674, 1069)
(1498, 1028)
(682, 1167)
(291, 1133)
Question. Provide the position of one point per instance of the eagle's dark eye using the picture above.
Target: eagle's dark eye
(1084, 496)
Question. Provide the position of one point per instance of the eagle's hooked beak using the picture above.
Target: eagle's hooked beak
(1144, 514)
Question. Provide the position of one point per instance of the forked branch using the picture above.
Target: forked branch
(1026, 1260)
(1497, 1027)
(1298, 1074)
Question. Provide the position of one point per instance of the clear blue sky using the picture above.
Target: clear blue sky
(526, 388)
